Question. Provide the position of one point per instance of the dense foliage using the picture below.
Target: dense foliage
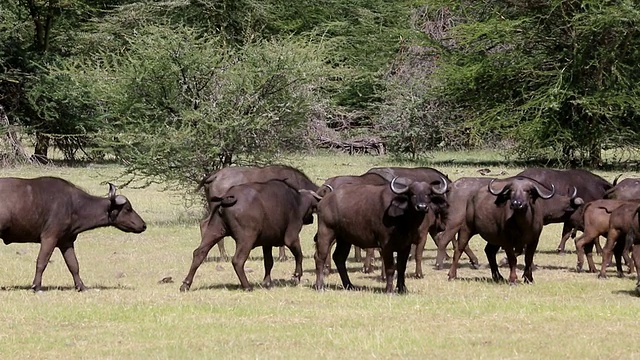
(178, 88)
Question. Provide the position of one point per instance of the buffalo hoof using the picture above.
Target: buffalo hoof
(560, 251)
(350, 287)
(402, 290)
(437, 267)
(603, 277)
(475, 265)
(283, 258)
(267, 284)
(579, 269)
(419, 275)
(513, 283)
(367, 270)
(184, 287)
(248, 289)
(620, 275)
(81, 288)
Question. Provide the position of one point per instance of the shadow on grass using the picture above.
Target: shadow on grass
(633, 292)
(275, 283)
(65, 288)
(335, 287)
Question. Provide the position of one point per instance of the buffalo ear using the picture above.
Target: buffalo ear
(120, 200)
(399, 205)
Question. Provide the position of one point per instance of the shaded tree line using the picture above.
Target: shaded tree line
(178, 88)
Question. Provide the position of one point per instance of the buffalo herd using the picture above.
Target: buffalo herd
(388, 208)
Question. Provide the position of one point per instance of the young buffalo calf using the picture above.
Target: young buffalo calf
(263, 214)
(598, 217)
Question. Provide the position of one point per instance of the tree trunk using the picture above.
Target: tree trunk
(42, 148)
(595, 154)
(18, 153)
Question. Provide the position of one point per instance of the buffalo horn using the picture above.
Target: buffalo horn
(496, 193)
(443, 189)
(574, 193)
(313, 193)
(553, 191)
(396, 190)
(112, 191)
(328, 187)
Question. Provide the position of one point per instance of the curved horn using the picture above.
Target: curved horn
(396, 190)
(615, 181)
(313, 193)
(493, 192)
(553, 191)
(443, 189)
(112, 191)
(574, 193)
(328, 187)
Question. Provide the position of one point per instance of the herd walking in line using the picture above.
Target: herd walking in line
(389, 208)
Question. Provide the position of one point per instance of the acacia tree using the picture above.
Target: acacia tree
(175, 104)
(559, 78)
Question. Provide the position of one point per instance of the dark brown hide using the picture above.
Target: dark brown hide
(262, 214)
(434, 221)
(52, 211)
(590, 187)
(217, 183)
(372, 216)
(627, 189)
(507, 213)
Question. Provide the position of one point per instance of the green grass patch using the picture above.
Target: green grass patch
(128, 314)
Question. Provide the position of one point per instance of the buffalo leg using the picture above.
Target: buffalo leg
(340, 255)
(223, 252)
(293, 243)
(618, 253)
(607, 251)
(636, 260)
(566, 233)
(323, 240)
(463, 240)
(583, 240)
(389, 267)
(267, 255)
(419, 252)
(46, 249)
(369, 257)
(243, 249)
(357, 254)
(491, 251)
(403, 257)
(588, 249)
(212, 232)
(282, 254)
(69, 255)
(529, 251)
(512, 258)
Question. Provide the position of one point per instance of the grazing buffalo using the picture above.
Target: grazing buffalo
(598, 219)
(217, 183)
(590, 187)
(263, 214)
(508, 213)
(52, 211)
(627, 189)
(388, 216)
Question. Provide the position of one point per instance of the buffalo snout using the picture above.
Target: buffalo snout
(423, 207)
(517, 204)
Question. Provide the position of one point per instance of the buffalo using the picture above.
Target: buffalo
(218, 182)
(633, 241)
(387, 216)
(265, 214)
(590, 187)
(627, 189)
(598, 219)
(507, 213)
(53, 212)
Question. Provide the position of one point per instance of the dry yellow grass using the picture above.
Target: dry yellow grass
(129, 315)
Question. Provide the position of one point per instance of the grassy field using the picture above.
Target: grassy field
(128, 314)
